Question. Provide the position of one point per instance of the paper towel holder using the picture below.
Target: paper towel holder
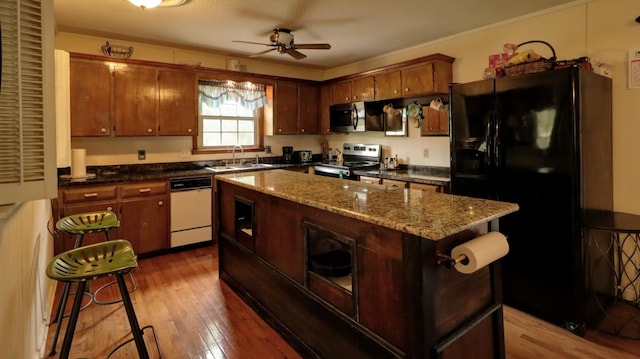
(449, 261)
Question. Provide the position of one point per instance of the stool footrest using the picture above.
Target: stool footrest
(155, 340)
(101, 302)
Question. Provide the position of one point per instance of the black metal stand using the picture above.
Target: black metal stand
(613, 263)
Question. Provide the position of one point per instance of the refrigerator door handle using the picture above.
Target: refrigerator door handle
(496, 145)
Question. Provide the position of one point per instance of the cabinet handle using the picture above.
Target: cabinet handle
(302, 130)
(355, 97)
(144, 190)
(160, 203)
(189, 130)
(103, 130)
(110, 208)
(149, 130)
(86, 98)
(406, 89)
(395, 91)
(90, 195)
(346, 98)
(279, 130)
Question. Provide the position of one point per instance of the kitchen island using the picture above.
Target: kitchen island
(355, 270)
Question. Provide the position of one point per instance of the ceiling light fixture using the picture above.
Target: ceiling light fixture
(146, 4)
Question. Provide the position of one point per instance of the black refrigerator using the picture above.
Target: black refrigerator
(544, 142)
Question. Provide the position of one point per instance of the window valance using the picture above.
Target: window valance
(249, 95)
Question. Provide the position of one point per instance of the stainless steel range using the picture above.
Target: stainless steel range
(355, 156)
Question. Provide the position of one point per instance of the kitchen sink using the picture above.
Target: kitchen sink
(238, 167)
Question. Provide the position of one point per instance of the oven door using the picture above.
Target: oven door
(329, 171)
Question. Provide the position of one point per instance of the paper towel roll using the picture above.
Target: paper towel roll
(480, 251)
(78, 163)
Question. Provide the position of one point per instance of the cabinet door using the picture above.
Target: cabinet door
(136, 101)
(308, 123)
(394, 183)
(145, 223)
(177, 114)
(374, 180)
(362, 89)
(90, 98)
(388, 85)
(417, 79)
(341, 92)
(435, 122)
(65, 241)
(324, 108)
(285, 109)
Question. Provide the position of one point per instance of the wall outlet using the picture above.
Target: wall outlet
(142, 154)
(267, 149)
(185, 153)
(425, 153)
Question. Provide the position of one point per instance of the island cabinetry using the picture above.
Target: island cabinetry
(397, 301)
(295, 109)
(141, 207)
(90, 98)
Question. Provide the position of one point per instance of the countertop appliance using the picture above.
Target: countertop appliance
(542, 141)
(191, 210)
(354, 157)
(348, 117)
(302, 156)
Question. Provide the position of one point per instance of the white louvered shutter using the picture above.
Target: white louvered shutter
(27, 122)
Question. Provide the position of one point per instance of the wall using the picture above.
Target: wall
(604, 30)
(25, 250)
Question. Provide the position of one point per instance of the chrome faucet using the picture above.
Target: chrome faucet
(233, 153)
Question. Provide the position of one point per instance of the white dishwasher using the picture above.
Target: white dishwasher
(191, 207)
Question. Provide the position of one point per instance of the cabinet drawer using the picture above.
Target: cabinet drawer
(425, 187)
(144, 189)
(370, 179)
(394, 183)
(85, 194)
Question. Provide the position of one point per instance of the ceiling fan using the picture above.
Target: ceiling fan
(282, 41)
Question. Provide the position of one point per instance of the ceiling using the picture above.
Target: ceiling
(356, 29)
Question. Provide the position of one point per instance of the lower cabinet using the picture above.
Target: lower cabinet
(142, 209)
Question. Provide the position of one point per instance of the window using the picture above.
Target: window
(229, 113)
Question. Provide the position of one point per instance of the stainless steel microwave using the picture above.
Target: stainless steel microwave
(347, 117)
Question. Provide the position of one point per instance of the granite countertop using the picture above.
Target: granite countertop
(422, 213)
(147, 172)
(427, 175)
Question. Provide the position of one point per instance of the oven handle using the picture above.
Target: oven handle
(332, 170)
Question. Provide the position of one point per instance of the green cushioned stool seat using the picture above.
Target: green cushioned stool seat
(89, 222)
(82, 264)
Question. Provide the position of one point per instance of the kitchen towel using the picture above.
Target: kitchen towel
(78, 163)
(480, 251)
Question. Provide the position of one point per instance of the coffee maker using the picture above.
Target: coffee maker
(287, 154)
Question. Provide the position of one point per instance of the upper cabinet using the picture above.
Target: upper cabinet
(388, 85)
(324, 109)
(425, 78)
(360, 89)
(295, 109)
(177, 105)
(90, 98)
(118, 99)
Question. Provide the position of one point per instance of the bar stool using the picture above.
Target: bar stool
(80, 224)
(82, 264)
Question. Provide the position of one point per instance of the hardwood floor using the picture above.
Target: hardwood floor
(197, 316)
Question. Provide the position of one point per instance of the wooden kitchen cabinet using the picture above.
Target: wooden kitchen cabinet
(90, 98)
(136, 100)
(434, 122)
(363, 89)
(324, 110)
(425, 187)
(144, 215)
(426, 78)
(308, 123)
(295, 109)
(388, 85)
(142, 209)
(177, 109)
(341, 92)
(394, 183)
(374, 180)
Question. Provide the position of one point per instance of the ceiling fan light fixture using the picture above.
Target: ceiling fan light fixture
(146, 4)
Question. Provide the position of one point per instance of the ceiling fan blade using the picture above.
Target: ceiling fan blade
(296, 54)
(251, 42)
(261, 52)
(313, 46)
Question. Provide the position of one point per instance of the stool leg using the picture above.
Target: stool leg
(59, 315)
(73, 319)
(133, 320)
